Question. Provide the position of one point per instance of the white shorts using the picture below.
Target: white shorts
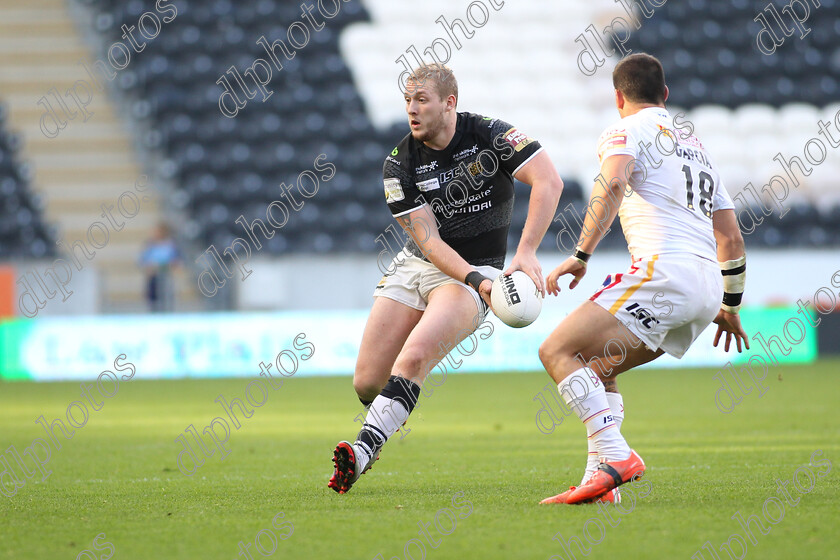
(666, 300)
(414, 279)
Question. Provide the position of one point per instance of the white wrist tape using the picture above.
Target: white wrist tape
(734, 279)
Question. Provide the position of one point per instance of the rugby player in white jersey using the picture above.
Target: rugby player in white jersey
(688, 257)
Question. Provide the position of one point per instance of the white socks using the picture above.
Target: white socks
(584, 394)
(383, 419)
(388, 411)
(617, 408)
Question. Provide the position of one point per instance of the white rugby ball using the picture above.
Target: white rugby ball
(515, 299)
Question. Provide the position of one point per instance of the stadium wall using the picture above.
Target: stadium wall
(327, 300)
(301, 282)
(346, 281)
(245, 344)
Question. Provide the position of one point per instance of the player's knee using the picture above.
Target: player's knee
(366, 388)
(410, 362)
(557, 360)
(368, 380)
(548, 354)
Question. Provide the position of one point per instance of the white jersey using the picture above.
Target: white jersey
(675, 189)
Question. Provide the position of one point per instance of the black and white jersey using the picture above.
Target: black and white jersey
(468, 184)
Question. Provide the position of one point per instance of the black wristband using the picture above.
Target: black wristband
(581, 255)
(733, 300)
(474, 279)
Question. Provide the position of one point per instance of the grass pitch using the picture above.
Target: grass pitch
(476, 435)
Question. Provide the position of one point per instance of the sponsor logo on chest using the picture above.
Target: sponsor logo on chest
(470, 208)
(464, 153)
(429, 185)
(425, 168)
(450, 174)
(474, 168)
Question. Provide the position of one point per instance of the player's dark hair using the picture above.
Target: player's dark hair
(640, 78)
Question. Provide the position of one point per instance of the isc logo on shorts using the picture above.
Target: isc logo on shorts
(642, 316)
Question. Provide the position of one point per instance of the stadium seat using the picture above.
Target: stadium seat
(225, 166)
(23, 232)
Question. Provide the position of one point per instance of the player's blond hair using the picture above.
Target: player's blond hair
(438, 76)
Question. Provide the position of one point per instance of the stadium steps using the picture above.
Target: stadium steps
(88, 163)
(10, 58)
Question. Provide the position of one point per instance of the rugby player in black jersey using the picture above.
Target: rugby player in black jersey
(449, 184)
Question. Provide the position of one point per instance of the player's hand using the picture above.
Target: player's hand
(484, 291)
(569, 266)
(730, 323)
(527, 262)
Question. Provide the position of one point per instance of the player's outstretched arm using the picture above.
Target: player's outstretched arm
(603, 206)
(546, 188)
(421, 225)
(733, 265)
(575, 267)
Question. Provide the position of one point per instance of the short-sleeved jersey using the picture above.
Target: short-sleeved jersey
(468, 184)
(675, 188)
